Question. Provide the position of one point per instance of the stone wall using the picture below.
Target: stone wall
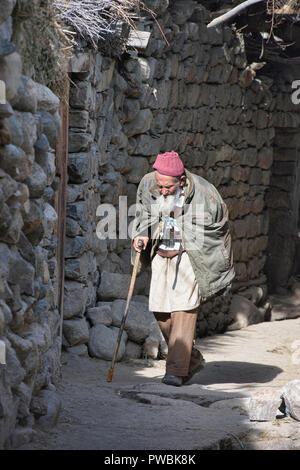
(189, 91)
(29, 319)
(283, 197)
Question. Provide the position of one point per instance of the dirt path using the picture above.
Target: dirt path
(137, 411)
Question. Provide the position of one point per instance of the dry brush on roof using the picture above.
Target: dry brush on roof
(102, 24)
(94, 20)
(286, 7)
(47, 31)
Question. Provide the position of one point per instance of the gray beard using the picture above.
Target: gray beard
(167, 204)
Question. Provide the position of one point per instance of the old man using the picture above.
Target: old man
(183, 224)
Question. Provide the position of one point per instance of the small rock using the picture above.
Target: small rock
(26, 96)
(100, 314)
(76, 331)
(105, 77)
(38, 406)
(291, 396)
(151, 347)
(148, 145)
(131, 109)
(102, 342)
(244, 313)
(139, 321)
(37, 181)
(76, 269)
(47, 163)
(6, 28)
(256, 294)
(75, 247)
(158, 6)
(81, 95)
(296, 290)
(80, 62)
(41, 147)
(139, 169)
(7, 7)
(28, 127)
(14, 161)
(8, 186)
(295, 347)
(46, 99)
(21, 436)
(5, 137)
(132, 351)
(23, 393)
(21, 195)
(78, 119)
(284, 307)
(10, 73)
(50, 220)
(140, 124)
(6, 110)
(50, 126)
(80, 350)
(140, 298)
(22, 273)
(79, 167)
(33, 221)
(15, 130)
(53, 404)
(147, 67)
(116, 286)
(79, 141)
(79, 211)
(263, 406)
(2, 345)
(15, 372)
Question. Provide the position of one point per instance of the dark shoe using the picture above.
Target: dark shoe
(172, 380)
(191, 374)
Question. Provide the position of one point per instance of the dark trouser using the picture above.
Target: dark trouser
(178, 329)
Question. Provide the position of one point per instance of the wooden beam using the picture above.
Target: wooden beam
(61, 198)
(232, 13)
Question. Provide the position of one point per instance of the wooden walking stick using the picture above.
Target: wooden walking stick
(131, 287)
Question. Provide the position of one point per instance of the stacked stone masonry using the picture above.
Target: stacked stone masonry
(186, 91)
(29, 318)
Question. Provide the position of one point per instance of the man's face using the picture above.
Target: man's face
(168, 185)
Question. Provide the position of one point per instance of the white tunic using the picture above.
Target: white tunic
(162, 296)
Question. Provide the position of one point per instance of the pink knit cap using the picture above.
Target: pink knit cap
(169, 164)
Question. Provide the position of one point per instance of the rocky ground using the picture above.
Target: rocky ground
(136, 411)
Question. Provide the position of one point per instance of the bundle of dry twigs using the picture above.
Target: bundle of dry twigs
(95, 19)
(283, 6)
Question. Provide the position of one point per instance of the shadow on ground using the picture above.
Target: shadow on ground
(221, 372)
(141, 413)
(137, 412)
